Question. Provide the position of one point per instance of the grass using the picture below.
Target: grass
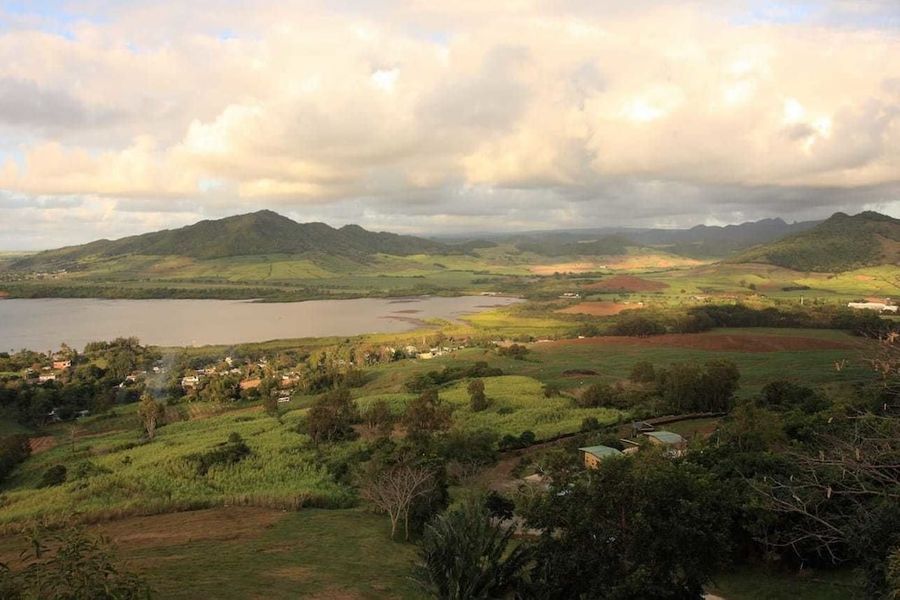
(144, 478)
(756, 583)
(516, 404)
(237, 553)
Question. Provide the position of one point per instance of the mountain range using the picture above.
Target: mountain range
(841, 242)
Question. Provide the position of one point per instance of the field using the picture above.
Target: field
(240, 552)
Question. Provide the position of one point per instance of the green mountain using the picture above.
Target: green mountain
(263, 232)
(841, 243)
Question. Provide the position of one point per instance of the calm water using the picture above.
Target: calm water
(43, 324)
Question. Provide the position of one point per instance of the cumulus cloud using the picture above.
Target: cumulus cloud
(428, 116)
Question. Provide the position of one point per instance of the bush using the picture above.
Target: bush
(643, 372)
(231, 452)
(515, 351)
(55, 475)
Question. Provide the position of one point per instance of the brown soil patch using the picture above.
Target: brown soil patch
(224, 523)
(651, 261)
(41, 444)
(578, 372)
(864, 278)
(715, 342)
(571, 267)
(598, 309)
(627, 283)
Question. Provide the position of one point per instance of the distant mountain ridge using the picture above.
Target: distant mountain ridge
(840, 243)
(700, 241)
(262, 232)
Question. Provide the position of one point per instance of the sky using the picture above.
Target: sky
(427, 117)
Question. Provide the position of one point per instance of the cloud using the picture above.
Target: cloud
(453, 115)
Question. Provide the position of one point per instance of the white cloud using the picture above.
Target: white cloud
(302, 105)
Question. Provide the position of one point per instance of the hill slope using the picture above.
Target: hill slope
(840, 243)
(263, 232)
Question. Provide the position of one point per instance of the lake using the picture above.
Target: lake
(43, 324)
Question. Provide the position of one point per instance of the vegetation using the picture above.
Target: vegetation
(841, 243)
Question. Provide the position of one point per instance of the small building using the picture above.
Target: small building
(570, 296)
(594, 455)
(44, 378)
(674, 444)
(250, 384)
(191, 381)
(876, 306)
(638, 427)
(425, 355)
(61, 365)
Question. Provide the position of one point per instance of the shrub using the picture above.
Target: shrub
(643, 372)
(231, 452)
(55, 475)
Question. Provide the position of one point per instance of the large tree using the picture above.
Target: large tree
(332, 416)
(642, 527)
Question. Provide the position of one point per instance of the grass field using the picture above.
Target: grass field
(120, 475)
(240, 553)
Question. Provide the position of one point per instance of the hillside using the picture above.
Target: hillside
(700, 241)
(262, 232)
(841, 243)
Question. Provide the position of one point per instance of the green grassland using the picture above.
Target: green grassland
(132, 477)
(502, 268)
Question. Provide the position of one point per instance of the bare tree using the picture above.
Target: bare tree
(836, 481)
(394, 490)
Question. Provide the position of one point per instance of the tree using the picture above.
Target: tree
(394, 489)
(464, 555)
(151, 412)
(426, 415)
(477, 398)
(68, 564)
(14, 449)
(718, 385)
(332, 416)
(599, 394)
(379, 418)
(643, 372)
(641, 527)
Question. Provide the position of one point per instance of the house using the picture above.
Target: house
(283, 399)
(425, 355)
(46, 377)
(594, 455)
(191, 381)
(60, 365)
(250, 384)
(877, 306)
(638, 427)
(290, 380)
(674, 444)
(570, 296)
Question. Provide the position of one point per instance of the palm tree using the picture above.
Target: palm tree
(465, 555)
